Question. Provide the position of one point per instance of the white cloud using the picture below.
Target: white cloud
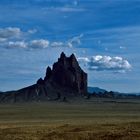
(74, 41)
(101, 63)
(2, 39)
(41, 43)
(32, 31)
(10, 32)
(17, 44)
(57, 44)
(14, 33)
(34, 44)
(84, 60)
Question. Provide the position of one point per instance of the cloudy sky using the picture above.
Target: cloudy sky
(103, 34)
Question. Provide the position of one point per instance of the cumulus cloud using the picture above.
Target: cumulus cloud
(101, 63)
(17, 44)
(10, 32)
(12, 37)
(34, 44)
(41, 43)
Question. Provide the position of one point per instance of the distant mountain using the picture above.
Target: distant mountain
(96, 90)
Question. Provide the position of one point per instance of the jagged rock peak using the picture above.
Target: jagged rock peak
(67, 73)
(62, 55)
(40, 81)
(72, 56)
(48, 73)
(64, 80)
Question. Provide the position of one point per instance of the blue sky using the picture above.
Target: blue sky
(103, 34)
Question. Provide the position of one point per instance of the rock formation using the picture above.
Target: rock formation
(65, 79)
(67, 73)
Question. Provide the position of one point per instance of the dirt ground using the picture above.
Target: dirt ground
(94, 119)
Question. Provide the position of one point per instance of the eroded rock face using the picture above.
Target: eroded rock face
(67, 73)
(64, 80)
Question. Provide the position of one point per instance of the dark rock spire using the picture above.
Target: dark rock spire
(48, 73)
(67, 74)
(62, 55)
(65, 79)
